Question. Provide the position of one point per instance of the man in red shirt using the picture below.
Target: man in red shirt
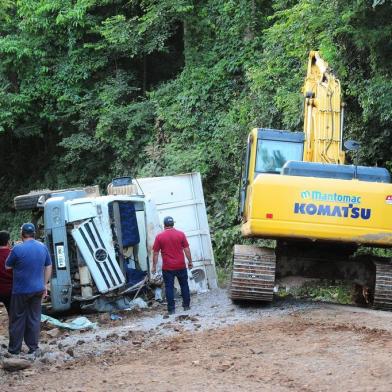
(5, 275)
(173, 244)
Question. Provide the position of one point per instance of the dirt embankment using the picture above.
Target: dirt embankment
(219, 347)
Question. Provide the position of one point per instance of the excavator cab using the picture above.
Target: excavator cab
(275, 148)
(268, 150)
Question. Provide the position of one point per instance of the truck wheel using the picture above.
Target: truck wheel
(30, 200)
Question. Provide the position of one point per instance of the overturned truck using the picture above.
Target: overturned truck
(101, 246)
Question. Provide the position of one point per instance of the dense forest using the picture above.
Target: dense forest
(92, 89)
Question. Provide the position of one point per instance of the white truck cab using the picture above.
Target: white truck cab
(101, 245)
(95, 241)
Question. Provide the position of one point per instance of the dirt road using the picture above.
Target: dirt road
(289, 346)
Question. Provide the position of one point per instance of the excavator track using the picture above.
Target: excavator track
(253, 275)
(383, 287)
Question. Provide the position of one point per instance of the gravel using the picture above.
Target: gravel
(208, 311)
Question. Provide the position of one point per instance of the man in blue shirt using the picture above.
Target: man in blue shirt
(32, 268)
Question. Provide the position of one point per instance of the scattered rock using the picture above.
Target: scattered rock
(112, 337)
(187, 340)
(182, 317)
(167, 325)
(80, 342)
(15, 364)
(48, 360)
(54, 333)
(51, 358)
(225, 366)
(29, 372)
(104, 318)
(70, 351)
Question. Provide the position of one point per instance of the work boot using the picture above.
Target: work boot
(9, 353)
(187, 308)
(168, 314)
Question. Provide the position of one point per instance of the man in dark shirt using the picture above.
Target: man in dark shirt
(5, 275)
(32, 268)
(173, 244)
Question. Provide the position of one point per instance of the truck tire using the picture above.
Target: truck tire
(30, 200)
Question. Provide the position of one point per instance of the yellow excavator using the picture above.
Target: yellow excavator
(297, 189)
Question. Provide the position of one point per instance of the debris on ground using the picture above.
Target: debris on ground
(53, 333)
(138, 303)
(15, 364)
(103, 304)
(76, 324)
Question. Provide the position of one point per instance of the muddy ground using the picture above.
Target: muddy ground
(288, 346)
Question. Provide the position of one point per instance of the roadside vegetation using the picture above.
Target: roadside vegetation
(93, 89)
(322, 291)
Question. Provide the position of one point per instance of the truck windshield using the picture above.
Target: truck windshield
(273, 154)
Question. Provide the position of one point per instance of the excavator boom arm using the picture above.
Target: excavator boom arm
(323, 113)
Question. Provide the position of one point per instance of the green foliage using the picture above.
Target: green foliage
(90, 89)
(380, 252)
(324, 291)
(223, 276)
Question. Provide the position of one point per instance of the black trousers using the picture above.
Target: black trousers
(168, 278)
(6, 300)
(25, 321)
